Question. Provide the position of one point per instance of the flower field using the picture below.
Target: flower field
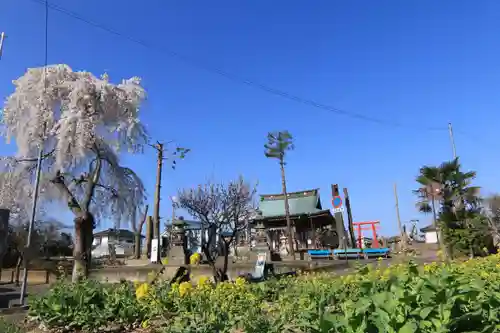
(459, 297)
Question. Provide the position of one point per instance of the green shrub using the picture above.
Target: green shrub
(88, 305)
(459, 297)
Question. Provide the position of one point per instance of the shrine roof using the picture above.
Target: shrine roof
(301, 202)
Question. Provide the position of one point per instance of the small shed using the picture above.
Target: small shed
(430, 234)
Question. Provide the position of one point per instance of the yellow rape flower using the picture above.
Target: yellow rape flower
(184, 288)
(142, 291)
(240, 281)
(195, 258)
(203, 281)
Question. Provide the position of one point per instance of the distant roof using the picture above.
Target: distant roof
(301, 202)
(125, 233)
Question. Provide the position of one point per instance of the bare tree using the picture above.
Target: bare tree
(82, 123)
(137, 228)
(224, 210)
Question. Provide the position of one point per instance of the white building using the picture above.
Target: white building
(121, 239)
(430, 234)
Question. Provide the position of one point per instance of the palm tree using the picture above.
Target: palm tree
(451, 188)
(278, 144)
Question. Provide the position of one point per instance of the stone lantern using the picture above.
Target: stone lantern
(260, 238)
(178, 250)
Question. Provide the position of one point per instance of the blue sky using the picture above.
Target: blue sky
(419, 63)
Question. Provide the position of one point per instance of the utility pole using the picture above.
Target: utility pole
(452, 140)
(173, 211)
(27, 249)
(400, 227)
(156, 212)
(2, 38)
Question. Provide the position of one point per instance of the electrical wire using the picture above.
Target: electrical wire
(233, 77)
(46, 55)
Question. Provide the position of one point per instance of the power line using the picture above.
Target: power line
(477, 139)
(233, 77)
(46, 55)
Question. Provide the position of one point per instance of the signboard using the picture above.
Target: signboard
(154, 250)
(337, 204)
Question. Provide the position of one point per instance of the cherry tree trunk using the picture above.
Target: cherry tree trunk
(82, 252)
(226, 257)
(137, 248)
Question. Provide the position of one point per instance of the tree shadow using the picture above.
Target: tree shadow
(7, 295)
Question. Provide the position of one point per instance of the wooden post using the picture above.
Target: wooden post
(347, 200)
(149, 236)
(339, 219)
(313, 234)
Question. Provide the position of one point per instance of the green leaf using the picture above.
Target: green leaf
(409, 327)
(424, 313)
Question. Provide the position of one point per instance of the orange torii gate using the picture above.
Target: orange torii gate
(359, 227)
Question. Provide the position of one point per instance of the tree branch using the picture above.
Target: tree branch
(34, 159)
(59, 182)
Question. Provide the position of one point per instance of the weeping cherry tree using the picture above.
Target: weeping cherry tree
(82, 123)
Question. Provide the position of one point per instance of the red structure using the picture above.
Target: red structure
(359, 227)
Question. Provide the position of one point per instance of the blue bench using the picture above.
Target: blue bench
(380, 252)
(349, 253)
(320, 254)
